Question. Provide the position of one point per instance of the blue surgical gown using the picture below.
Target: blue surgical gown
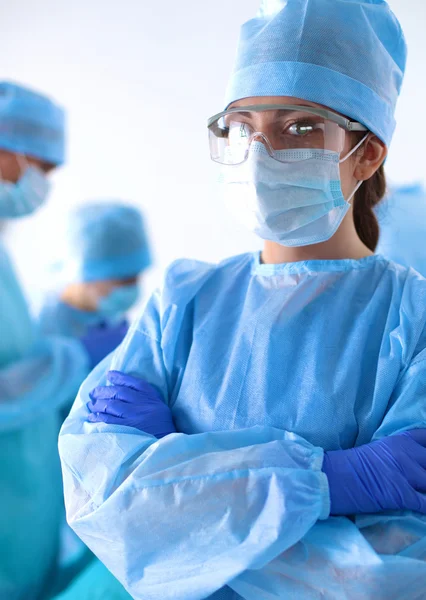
(402, 218)
(264, 367)
(58, 318)
(38, 378)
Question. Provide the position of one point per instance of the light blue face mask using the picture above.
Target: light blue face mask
(296, 202)
(24, 197)
(118, 302)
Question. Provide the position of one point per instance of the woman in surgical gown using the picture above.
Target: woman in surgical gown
(269, 360)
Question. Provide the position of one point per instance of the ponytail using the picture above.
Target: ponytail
(367, 197)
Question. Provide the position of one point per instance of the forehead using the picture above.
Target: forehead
(291, 100)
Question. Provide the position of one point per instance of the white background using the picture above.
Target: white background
(139, 80)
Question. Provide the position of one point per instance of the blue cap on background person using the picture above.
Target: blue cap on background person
(105, 240)
(31, 124)
(97, 278)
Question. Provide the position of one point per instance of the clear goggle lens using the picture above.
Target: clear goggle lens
(231, 135)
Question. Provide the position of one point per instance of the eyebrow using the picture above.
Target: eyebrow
(274, 112)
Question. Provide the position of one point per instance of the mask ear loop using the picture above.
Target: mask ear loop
(342, 160)
(359, 184)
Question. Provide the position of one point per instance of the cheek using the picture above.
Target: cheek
(9, 168)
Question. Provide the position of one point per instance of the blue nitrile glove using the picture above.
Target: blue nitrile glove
(133, 402)
(385, 475)
(101, 340)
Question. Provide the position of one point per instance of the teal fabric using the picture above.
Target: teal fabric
(95, 583)
(264, 367)
(34, 391)
(38, 379)
(17, 333)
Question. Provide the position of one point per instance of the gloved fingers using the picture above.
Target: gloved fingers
(135, 383)
(418, 435)
(115, 408)
(419, 503)
(416, 477)
(105, 418)
(102, 406)
(91, 406)
(420, 456)
(114, 392)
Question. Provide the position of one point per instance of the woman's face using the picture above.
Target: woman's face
(360, 166)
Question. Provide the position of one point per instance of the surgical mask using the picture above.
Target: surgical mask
(24, 197)
(118, 302)
(296, 202)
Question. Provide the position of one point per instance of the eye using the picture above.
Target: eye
(302, 128)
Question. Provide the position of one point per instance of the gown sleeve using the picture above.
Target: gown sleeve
(186, 513)
(379, 556)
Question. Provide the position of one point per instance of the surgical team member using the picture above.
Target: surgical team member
(287, 459)
(106, 250)
(38, 376)
(403, 226)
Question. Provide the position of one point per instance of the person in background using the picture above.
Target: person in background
(106, 251)
(402, 219)
(32, 145)
(39, 374)
(260, 433)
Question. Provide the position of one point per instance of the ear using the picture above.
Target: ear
(369, 158)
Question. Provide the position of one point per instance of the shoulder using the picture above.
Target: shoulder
(409, 292)
(407, 280)
(170, 307)
(185, 278)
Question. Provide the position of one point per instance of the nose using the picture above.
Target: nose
(259, 136)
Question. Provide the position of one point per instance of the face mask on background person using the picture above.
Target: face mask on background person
(115, 305)
(26, 195)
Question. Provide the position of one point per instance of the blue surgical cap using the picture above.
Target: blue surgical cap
(31, 124)
(348, 55)
(105, 240)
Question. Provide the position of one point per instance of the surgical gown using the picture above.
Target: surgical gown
(38, 377)
(402, 218)
(264, 367)
(58, 318)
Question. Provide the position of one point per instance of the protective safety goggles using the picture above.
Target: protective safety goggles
(279, 128)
